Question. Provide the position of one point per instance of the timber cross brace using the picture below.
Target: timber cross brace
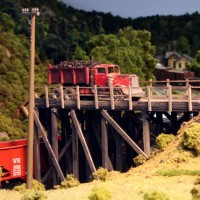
(75, 126)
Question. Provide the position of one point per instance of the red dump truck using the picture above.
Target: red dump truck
(87, 74)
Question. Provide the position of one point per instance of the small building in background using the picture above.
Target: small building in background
(177, 61)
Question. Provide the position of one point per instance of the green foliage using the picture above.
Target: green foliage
(197, 182)
(178, 172)
(69, 182)
(195, 64)
(101, 174)
(195, 193)
(130, 49)
(139, 160)
(34, 195)
(37, 186)
(155, 195)
(100, 193)
(163, 140)
(191, 138)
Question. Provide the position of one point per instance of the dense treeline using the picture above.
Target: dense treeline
(64, 33)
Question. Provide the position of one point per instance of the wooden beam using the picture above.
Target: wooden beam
(170, 97)
(122, 133)
(112, 102)
(96, 98)
(62, 97)
(82, 140)
(104, 145)
(61, 154)
(149, 97)
(146, 135)
(48, 146)
(46, 96)
(78, 97)
(75, 152)
(37, 154)
(130, 98)
(189, 98)
(54, 131)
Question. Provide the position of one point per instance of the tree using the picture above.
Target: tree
(183, 45)
(195, 64)
(130, 49)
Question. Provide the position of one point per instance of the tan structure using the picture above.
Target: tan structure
(177, 61)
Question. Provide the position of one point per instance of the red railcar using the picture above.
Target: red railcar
(13, 156)
(13, 162)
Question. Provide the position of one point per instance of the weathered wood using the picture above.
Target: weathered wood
(189, 98)
(61, 154)
(96, 98)
(78, 97)
(141, 105)
(146, 134)
(61, 97)
(37, 153)
(48, 146)
(130, 98)
(149, 97)
(82, 140)
(46, 96)
(54, 129)
(75, 152)
(170, 98)
(104, 146)
(122, 133)
(112, 102)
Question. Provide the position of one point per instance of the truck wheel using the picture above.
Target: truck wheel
(118, 94)
(55, 93)
(69, 94)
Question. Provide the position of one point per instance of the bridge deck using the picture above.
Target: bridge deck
(156, 98)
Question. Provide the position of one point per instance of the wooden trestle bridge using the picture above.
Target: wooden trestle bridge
(84, 133)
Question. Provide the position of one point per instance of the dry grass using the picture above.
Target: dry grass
(142, 179)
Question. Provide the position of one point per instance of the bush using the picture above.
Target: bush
(69, 182)
(34, 195)
(195, 193)
(101, 174)
(155, 196)
(100, 193)
(191, 138)
(163, 140)
(36, 186)
(197, 182)
(139, 160)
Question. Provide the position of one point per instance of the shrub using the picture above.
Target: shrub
(34, 195)
(69, 182)
(155, 196)
(100, 193)
(195, 193)
(139, 160)
(101, 174)
(197, 182)
(191, 138)
(163, 140)
(36, 186)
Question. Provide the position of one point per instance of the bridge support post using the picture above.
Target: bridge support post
(146, 134)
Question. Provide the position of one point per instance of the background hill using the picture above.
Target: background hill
(64, 33)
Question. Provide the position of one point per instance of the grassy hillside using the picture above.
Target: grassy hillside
(169, 174)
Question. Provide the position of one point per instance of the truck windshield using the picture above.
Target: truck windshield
(116, 69)
(110, 70)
